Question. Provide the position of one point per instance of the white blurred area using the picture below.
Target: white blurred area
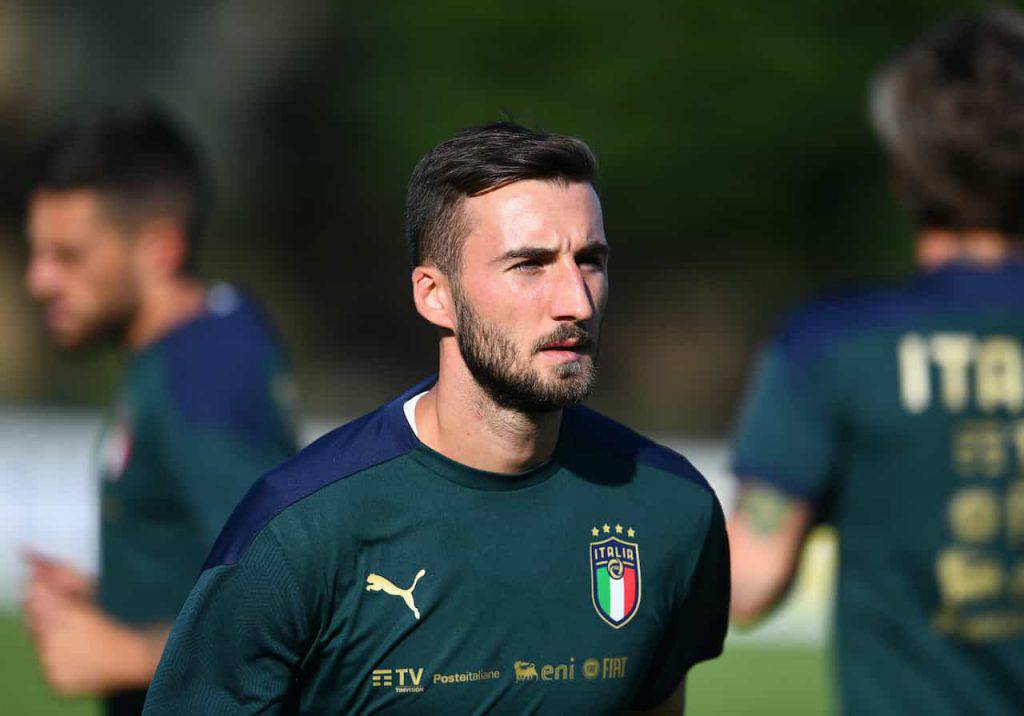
(47, 498)
(48, 503)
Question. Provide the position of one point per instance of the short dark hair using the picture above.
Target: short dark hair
(475, 161)
(950, 112)
(139, 158)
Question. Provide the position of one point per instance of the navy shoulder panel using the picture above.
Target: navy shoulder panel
(595, 432)
(950, 291)
(219, 366)
(375, 438)
(811, 329)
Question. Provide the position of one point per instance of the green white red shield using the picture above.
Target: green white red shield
(615, 579)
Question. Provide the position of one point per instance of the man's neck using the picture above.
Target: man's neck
(458, 419)
(162, 307)
(937, 248)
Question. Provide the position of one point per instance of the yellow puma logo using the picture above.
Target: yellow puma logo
(377, 583)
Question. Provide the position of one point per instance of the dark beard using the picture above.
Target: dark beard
(98, 335)
(491, 358)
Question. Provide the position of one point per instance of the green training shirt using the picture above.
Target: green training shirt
(198, 414)
(899, 413)
(371, 573)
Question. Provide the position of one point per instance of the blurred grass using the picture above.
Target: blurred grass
(746, 679)
(760, 679)
(22, 690)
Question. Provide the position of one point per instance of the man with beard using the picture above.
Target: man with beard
(479, 543)
(113, 220)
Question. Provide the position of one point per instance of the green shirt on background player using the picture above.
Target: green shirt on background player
(114, 218)
(199, 413)
(895, 414)
(899, 415)
(480, 544)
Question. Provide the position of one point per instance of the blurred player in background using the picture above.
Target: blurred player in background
(475, 544)
(897, 414)
(114, 218)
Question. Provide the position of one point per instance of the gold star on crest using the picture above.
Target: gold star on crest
(606, 528)
(631, 532)
(618, 529)
(593, 531)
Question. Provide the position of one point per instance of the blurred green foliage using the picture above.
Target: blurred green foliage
(738, 173)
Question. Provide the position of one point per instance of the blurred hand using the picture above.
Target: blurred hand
(81, 650)
(58, 576)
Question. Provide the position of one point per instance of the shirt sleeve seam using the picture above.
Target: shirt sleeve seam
(749, 474)
(287, 563)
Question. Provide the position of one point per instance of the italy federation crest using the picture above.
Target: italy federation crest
(116, 445)
(615, 577)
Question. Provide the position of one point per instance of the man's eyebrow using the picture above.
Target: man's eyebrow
(540, 253)
(595, 248)
(536, 253)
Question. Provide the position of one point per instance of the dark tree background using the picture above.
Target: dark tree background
(738, 173)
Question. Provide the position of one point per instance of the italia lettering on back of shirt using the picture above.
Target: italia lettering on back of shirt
(979, 379)
(960, 372)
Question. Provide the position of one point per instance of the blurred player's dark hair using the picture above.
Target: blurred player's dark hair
(141, 161)
(950, 112)
(473, 162)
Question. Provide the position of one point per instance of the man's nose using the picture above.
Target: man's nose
(41, 278)
(572, 300)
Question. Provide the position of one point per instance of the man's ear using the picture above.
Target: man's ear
(162, 246)
(433, 297)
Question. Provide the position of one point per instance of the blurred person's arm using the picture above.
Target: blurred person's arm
(766, 535)
(58, 575)
(82, 650)
(785, 456)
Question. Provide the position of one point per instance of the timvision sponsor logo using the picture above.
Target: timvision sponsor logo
(404, 681)
(463, 677)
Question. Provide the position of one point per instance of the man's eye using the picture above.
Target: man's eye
(66, 256)
(528, 265)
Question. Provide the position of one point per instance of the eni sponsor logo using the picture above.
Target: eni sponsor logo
(403, 680)
(528, 671)
(594, 669)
